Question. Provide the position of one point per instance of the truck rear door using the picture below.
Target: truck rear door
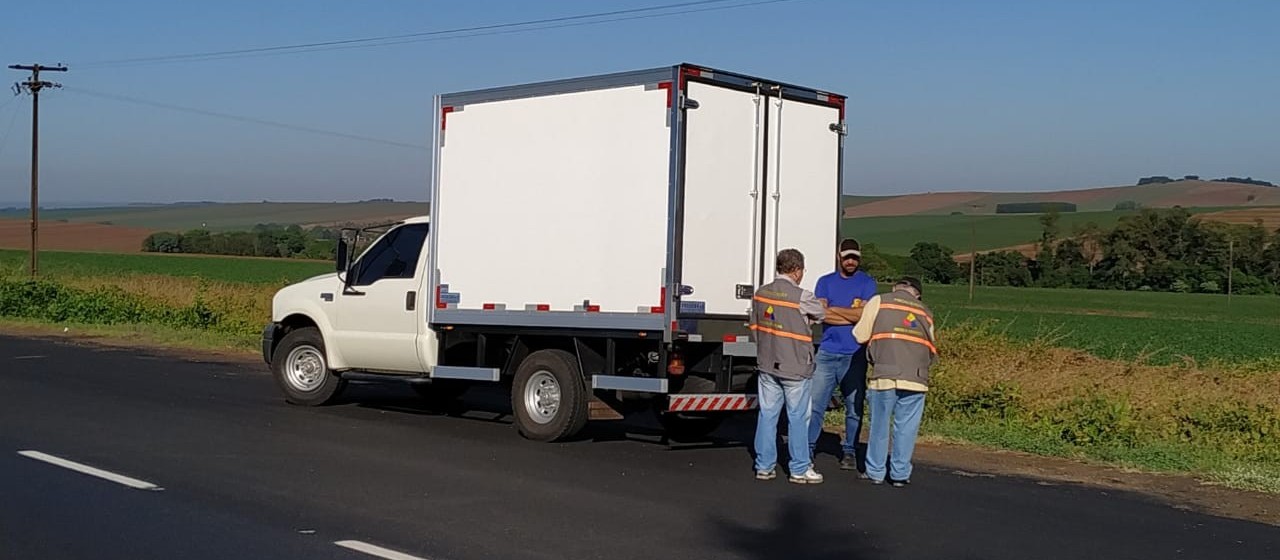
(762, 166)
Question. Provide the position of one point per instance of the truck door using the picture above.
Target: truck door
(722, 186)
(761, 174)
(376, 322)
(802, 193)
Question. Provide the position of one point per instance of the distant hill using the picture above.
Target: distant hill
(1188, 194)
(231, 216)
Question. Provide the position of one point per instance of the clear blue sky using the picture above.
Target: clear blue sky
(944, 95)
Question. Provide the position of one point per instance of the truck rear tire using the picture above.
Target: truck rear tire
(549, 396)
(301, 370)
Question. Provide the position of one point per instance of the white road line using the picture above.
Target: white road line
(28, 357)
(378, 551)
(86, 469)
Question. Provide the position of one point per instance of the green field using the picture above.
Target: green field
(226, 217)
(56, 264)
(1160, 327)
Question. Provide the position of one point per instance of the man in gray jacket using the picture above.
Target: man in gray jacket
(902, 348)
(782, 318)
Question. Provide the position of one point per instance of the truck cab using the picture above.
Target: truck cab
(363, 317)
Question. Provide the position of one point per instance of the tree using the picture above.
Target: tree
(162, 242)
(933, 263)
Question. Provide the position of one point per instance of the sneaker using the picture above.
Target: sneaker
(808, 477)
(876, 481)
(900, 483)
(766, 475)
(848, 463)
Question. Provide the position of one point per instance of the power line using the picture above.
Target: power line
(614, 16)
(4, 140)
(251, 120)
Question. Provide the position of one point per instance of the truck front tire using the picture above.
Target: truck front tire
(301, 370)
(549, 396)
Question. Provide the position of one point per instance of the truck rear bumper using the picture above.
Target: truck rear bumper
(711, 402)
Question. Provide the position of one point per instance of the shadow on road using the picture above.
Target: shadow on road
(798, 529)
(493, 404)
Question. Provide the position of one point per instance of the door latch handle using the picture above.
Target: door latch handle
(410, 301)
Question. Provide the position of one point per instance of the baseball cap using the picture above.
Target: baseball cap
(913, 282)
(850, 247)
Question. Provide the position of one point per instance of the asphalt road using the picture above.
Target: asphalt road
(241, 474)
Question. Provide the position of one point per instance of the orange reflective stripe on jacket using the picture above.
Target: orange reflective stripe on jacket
(783, 334)
(908, 309)
(905, 338)
(777, 302)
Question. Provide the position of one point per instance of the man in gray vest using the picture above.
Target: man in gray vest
(899, 330)
(782, 318)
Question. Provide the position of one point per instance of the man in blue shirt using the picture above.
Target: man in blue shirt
(840, 359)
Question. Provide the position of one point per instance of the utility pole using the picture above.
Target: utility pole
(1231, 267)
(973, 249)
(33, 86)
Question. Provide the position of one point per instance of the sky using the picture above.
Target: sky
(944, 95)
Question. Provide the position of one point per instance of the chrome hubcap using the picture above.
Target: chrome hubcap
(305, 368)
(542, 397)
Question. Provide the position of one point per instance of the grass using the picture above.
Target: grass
(55, 264)
(1154, 327)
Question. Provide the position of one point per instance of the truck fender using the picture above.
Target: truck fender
(310, 312)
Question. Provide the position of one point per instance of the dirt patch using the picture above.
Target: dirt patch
(911, 204)
(1270, 217)
(1221, 194)
(1028, 250)
(73, 236)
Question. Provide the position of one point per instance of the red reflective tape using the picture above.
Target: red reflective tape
(739, 403)
(701, 402)
(670, 92)
(444, 114)
(543, 307)
(716, 403)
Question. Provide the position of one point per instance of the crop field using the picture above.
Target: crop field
(1152, 326)
(58, 265)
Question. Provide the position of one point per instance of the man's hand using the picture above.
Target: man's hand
(841, 315)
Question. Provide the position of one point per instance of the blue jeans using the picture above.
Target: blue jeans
(906, 409)
(849, 371)
(773, 393)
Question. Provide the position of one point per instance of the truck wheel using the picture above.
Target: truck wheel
(301, 371)
(548, 396)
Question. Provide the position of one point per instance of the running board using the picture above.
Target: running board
(623, 383)
(465, 373)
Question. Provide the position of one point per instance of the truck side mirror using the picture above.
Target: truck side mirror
(341, 263)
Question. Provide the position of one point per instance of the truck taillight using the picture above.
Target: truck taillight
(675, 364)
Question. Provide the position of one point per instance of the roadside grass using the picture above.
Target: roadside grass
(1219, 422)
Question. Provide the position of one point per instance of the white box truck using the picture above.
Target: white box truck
(593, 242)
